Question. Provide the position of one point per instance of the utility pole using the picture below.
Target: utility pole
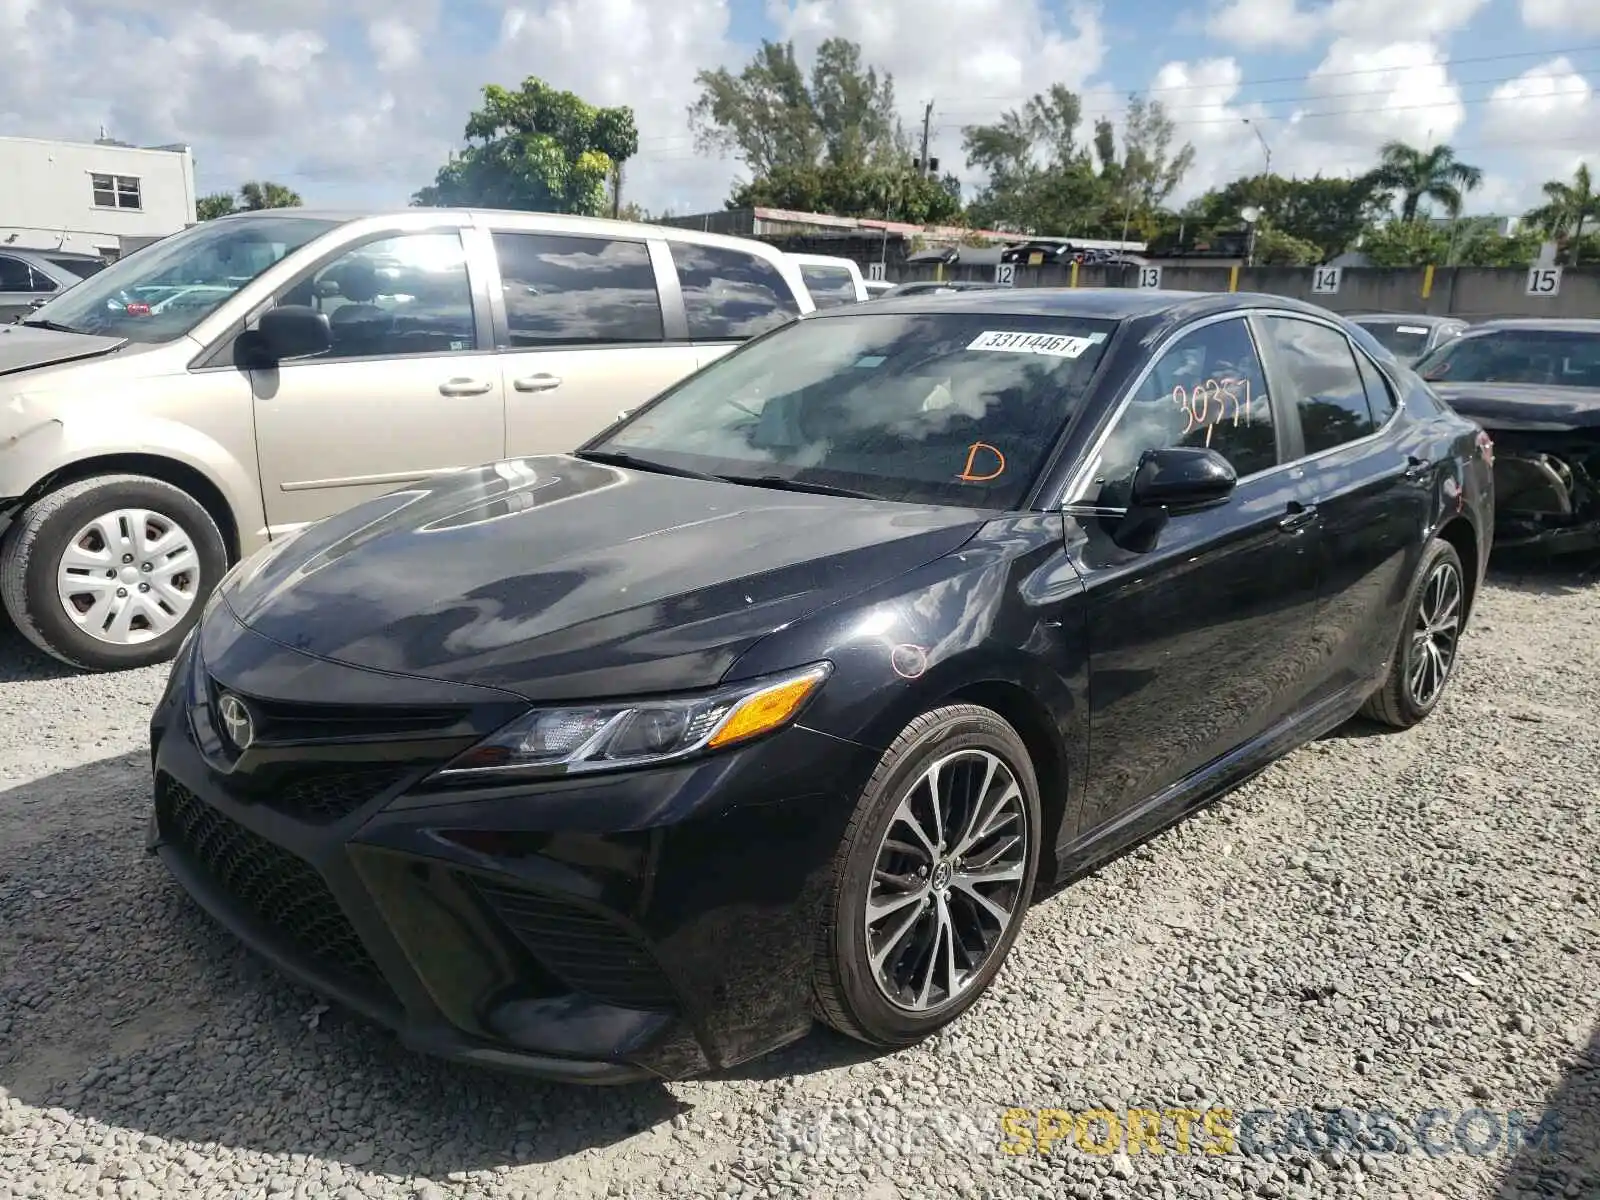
(927, 129)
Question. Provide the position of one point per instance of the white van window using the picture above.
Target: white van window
(729, 294)
(830, 287)
(575, 291)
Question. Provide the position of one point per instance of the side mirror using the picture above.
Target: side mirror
(288, 331)
(1182, 477)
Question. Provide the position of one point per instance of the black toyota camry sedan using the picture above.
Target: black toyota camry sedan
(783, 697)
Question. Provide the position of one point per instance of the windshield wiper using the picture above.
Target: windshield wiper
(55, 326)
(616, 458)
(782, 484)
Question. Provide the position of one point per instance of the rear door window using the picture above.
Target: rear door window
(577, 291)
(730, 294)
(829, 286)
(15, 275)
(1319, 366)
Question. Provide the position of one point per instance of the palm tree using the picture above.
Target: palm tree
(255, 196)
(1420, 175)
(1568, 207)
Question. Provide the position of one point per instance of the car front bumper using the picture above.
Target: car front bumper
(643, 924)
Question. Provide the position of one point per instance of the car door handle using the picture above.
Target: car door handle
(464, 387)
(1300, 515)
(1416, 467)
(537, 383)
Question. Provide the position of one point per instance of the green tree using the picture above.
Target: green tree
(259, 194)
(218, 204)
(897, 192)
(1568, 208)
(1330, 213)
(1151, 167)
(536, 149)
(1406, 244)
(773, 118)
(1275, 248)
(1477, 242)
(1040, 179)
(1434, 175)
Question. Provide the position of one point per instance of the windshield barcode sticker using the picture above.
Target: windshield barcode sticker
(1053, 344)
(1411, 329)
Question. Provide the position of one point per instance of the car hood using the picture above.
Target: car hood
(23, 347)
(560, 579)
(1523, 407)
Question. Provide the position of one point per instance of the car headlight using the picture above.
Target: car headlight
(602, 737)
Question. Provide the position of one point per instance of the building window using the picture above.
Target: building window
(116, 191)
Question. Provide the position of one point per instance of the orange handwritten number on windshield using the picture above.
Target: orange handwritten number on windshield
(969, 476)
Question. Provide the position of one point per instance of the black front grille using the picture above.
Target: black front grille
(587, 951)
(282, 890)
(320, 797)
(280, 721)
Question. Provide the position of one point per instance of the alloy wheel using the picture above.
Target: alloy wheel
(1434, 637)
(947, 880)
(129, 576)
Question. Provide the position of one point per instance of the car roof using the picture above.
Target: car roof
(1115, 304)
(1407, 317)
(1550, 324)
(560, 222)
(823, 260)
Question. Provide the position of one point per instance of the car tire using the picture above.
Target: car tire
(151, 592)
(852, 993)
(1400, 703)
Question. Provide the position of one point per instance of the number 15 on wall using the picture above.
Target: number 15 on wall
(1544, 281)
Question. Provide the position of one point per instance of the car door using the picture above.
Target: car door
(729, 296)
(1371, 485)
(582, 332)
(410, 388)
(1197, 642)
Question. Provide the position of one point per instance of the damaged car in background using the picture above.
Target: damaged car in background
(1534, 387)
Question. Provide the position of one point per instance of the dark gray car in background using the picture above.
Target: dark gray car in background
(1408, 336)
(28, 278)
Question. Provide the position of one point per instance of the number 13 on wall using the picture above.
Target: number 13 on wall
(1544, 281)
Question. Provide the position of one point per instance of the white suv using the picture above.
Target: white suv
(252, 374)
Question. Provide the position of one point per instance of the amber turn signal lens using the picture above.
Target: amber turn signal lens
(767, 710)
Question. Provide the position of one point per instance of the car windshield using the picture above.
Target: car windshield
(1551, 357)
(1404, 341)
(167, 288)
(933, 408)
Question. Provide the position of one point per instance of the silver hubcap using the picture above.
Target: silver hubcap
(947, 881)
(129, 576)
(1433, 640)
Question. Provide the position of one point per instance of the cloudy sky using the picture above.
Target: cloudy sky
(360, 108)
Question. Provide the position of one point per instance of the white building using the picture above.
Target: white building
(102, 197)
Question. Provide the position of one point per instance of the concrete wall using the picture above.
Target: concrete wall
(1475, 293)
(46, 201)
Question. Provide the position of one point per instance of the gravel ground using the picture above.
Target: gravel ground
(1404, 922)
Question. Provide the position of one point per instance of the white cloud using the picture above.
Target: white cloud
(1255, 24)
(1230, 139)
(396, 44)
(1359, 97)
(1566, 16)
(1555, 99)
(972, 58)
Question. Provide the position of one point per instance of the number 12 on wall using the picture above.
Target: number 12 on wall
(1544, 281)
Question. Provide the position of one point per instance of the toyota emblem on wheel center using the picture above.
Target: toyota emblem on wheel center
(236, 720)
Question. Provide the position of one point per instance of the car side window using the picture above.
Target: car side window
(830, 287)
(15, 276)
(1319, 366)
(398, 296)
(1380, 396)
(577, 291)
(730, 294)
(1206, 389)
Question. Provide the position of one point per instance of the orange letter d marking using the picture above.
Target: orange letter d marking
(967, 475)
